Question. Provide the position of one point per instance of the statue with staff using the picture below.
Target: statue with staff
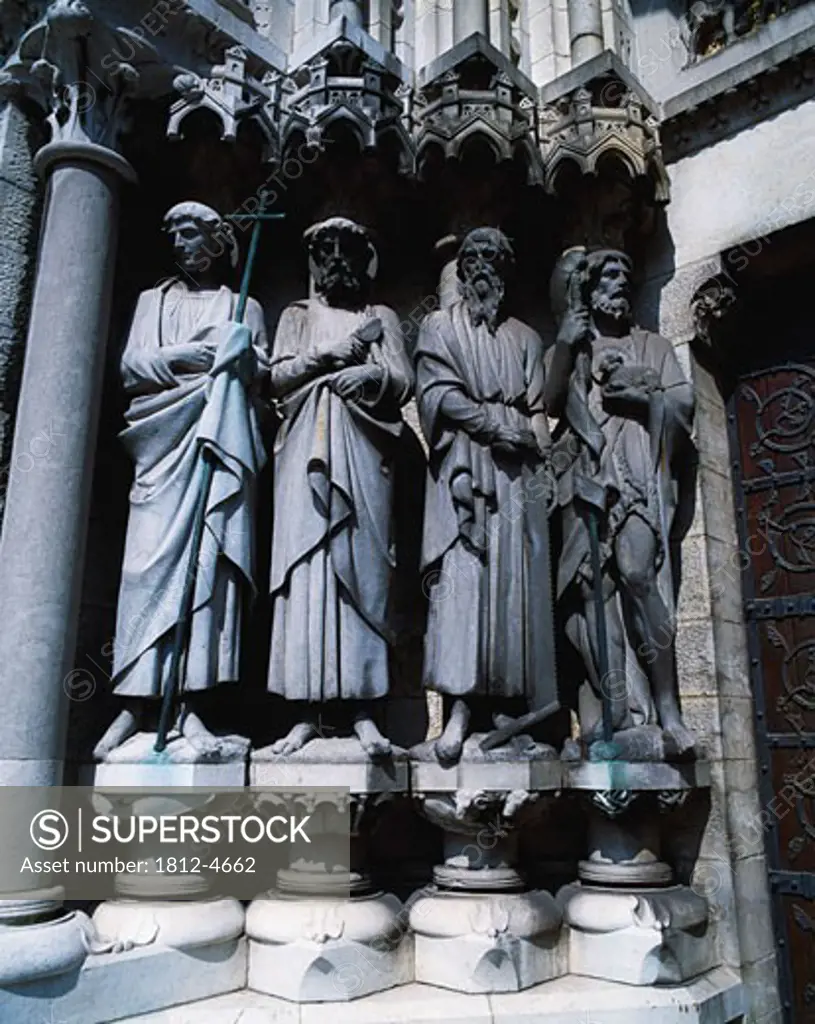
(623, 456)
(194, 351)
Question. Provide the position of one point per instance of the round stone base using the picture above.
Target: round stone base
(323, 949)
(125, 924)
(487, 942)
(40, 949)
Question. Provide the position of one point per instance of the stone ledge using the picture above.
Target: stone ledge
(111, 986)
(717, 996)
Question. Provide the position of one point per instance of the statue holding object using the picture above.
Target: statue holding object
(188, 368)
(622, 452)
(480, 392)
(339, 375)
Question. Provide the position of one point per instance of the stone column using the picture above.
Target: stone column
(351, 9)
(469, 17)
(45, 523)
(43, 538)
(585, 30)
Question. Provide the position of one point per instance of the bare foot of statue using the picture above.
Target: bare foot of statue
(199, 737)
(375, 745)
(297, 737)
(449, 745)
(125, 725)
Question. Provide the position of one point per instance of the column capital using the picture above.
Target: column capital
(70, 65)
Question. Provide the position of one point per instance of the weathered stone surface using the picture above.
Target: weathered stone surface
(652, 937)
(717, 996)
(114, 985)
(496, 942)
(327, 950)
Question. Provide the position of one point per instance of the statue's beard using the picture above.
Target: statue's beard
(483, 294)
(338, 282)
(615, 307)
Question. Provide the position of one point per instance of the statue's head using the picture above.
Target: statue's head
(200, 237)
(609, 285)
(343, 260)
(484, 263)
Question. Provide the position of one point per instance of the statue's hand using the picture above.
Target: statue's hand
(352, 383)
(512, 440)
(350, 351)
(576, 323)
(575, 327)
(192, 357)
(370, 331)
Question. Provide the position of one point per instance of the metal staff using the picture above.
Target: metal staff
(181, 637)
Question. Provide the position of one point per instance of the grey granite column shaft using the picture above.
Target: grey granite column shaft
(585, 30)
(470, 16)
(43, 539)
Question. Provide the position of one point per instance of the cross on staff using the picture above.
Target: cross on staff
(181, 637)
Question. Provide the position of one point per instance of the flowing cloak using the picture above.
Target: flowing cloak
(485, 550)
(625, 467)
(170, 420)
(332, 551)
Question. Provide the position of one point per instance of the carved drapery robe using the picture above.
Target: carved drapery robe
(626, 466)
(332, 547)
(485, 551)
(170, 419)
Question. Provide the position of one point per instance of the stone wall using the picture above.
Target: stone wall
(19, 199)
(728, 201)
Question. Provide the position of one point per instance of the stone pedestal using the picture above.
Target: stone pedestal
(326, 934)
(169, 910)
(479, 928)
(38, 939)
(645, 936)
(627, 921)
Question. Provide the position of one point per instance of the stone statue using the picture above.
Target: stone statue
(186, 369)
(620, 451)
(340, 375)
(485, 554)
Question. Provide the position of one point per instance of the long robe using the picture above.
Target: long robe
(485, 551)
(332, 541)
(632, 467)
(171, 418)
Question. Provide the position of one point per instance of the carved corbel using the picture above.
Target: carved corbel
(713, 301)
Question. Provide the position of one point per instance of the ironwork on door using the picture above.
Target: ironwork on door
(772, 416)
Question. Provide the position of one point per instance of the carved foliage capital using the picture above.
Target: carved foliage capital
(79, 70)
